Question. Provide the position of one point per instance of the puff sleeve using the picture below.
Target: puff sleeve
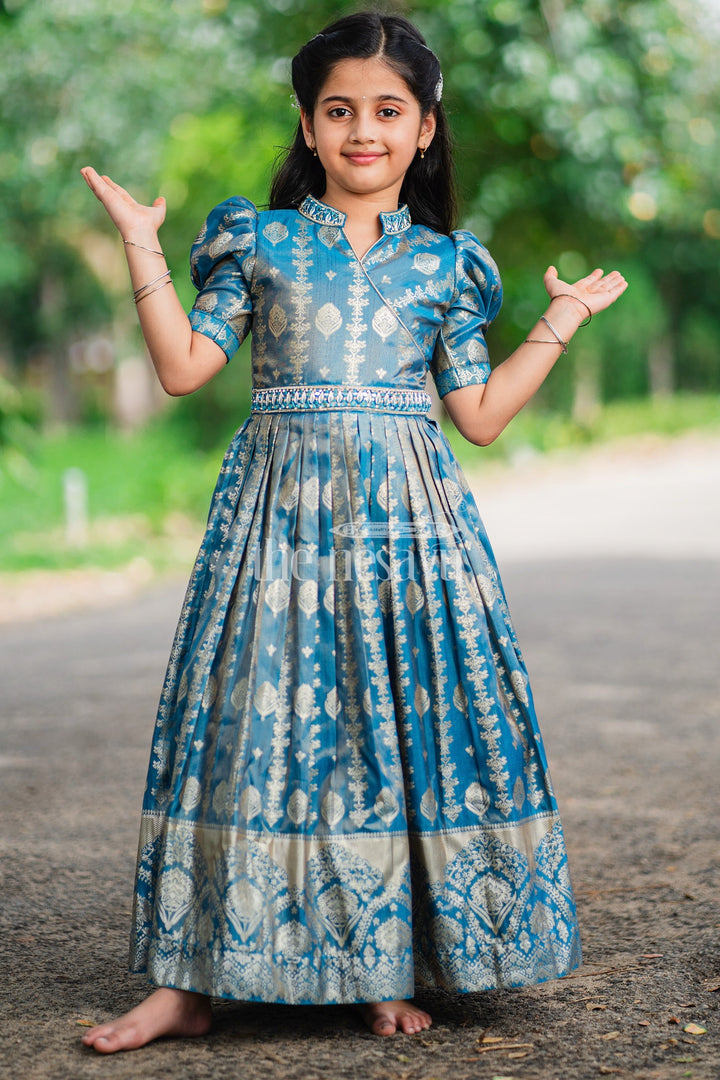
(222, 260)
(460, 357)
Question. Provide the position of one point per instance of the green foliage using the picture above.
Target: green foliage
(18, 417)
(586, 134)
(148, 495)
(142, 493)
(537, 431)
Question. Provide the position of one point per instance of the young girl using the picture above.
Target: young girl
(348, 796)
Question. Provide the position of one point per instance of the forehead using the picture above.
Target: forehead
(369, 77)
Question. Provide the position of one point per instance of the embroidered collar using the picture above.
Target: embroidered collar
(393, 221)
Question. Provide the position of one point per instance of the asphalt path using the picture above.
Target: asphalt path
(622, 647)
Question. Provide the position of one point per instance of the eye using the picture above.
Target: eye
(389, 111)
(339, 111)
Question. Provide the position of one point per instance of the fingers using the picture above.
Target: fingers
(116, 187)
(611, 282)
(601, 282)
(99, 185)
(90, 177)
(590, 279)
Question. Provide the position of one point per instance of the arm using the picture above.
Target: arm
(184, 360)
(482, 412)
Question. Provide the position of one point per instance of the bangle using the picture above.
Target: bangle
(139, 298)
(551, 328)
(143, 248)
(574, 297)
(145, 290)
(136, 294)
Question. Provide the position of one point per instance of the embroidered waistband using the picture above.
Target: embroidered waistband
(377, 398)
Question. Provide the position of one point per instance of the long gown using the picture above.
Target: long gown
(348, 796)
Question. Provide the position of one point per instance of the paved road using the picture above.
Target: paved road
(623, 652)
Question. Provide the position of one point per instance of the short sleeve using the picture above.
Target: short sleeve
(222, 260)
(461, 357)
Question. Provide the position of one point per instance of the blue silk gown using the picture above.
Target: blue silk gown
(348, 796)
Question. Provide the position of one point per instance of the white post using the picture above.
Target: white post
(75, 495)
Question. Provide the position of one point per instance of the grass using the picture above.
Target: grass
(148, 494)
(538, 432)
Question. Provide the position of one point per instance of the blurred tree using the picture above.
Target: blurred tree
(586, 133)
(90, 82)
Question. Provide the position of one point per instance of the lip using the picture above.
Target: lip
(363, 158)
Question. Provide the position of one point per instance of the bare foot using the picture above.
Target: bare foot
(385, 1017)
(176, 1013)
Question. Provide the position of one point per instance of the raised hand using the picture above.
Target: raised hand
(595, 292)
(132, 219)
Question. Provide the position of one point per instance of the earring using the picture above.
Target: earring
(422, 152)
(313, 150)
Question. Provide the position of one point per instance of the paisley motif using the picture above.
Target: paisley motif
(328, 320)
(275, 232)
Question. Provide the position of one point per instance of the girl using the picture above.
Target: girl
(348, 795)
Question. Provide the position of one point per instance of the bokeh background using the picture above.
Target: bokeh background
(587, 134)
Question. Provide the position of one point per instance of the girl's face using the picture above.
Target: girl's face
(366, 128)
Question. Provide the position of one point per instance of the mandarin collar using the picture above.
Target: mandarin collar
(393, 221)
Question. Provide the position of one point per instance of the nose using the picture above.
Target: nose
(362, 131)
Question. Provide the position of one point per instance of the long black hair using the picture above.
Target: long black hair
(429, 184)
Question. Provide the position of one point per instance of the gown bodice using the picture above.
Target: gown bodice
(320, 315)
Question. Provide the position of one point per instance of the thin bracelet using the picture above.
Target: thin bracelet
(142, 288)
(151, 250)
(551, 328)
(574, 297)
(161, 286)
(540, 341)
(146, 290)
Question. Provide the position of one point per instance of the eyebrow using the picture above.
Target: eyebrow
(349, 100)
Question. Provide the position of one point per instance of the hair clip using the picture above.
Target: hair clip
(439, 89)
(294, 103)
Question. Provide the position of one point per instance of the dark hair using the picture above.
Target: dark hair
(429, 185)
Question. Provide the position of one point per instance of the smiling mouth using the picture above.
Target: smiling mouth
(363, 158)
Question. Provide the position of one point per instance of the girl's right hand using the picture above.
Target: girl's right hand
(132, 219)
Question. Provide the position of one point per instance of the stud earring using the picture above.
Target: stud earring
(422, 152)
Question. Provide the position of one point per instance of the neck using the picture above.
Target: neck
(361, 208)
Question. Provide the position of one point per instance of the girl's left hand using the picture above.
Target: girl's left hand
(596, 292)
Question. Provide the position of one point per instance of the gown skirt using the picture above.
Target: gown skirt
(348, 797)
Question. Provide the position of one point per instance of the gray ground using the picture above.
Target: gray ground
(622, 648)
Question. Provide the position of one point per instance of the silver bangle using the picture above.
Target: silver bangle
(551, 328)
(143, 248)
(574, 297)
(145, 290)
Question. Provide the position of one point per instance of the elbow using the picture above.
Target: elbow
(483, 436)
(176, 387)
(488, 436)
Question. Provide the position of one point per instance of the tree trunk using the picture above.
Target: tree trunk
(661, 367)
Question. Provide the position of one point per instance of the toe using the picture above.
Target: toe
(106, 1044)
(384, 1026)
(413, 1022)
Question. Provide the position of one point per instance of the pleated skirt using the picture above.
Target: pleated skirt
(348, 796)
